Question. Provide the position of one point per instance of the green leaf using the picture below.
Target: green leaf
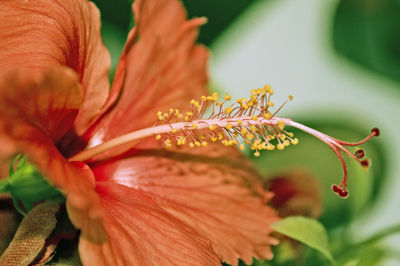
(367, 32)
(307, 231)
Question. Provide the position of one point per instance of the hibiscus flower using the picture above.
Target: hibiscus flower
(144, 206)
(135, 202)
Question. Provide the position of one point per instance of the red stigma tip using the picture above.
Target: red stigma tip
(343, 193)
(339, 191)
(365, 163)
(375, 131)
(336, 189)
(359, 153)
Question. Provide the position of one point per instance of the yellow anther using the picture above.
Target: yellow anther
(239, 122)
(257, 153)
(215, 95)
(180, 116)
(281, 125)
(254, 128)
(290, 134)
(290, 97)
(210, 98)
(228, 126)
(159, 113)
(250, 136)
(219, 103)
(213, 127)
(267, 115)
(270, 104)
(295, 141)
(254, 118)
(220, 135)
(247, 141)
(174, 130)
(171, 110)
(282, 136)
(158, 137)
(227, 97)
(195, 126)
(168, 144)
(203, 98)
(241, 147)
(286, 143)
(270, 147)
(228, 110)
(189, 114)
(280, 146)
(191, 144)
(197, 143)
(239, 100)
(181, 140)
(204, 144)
(214, 139)
(243, 131)
(186, 118)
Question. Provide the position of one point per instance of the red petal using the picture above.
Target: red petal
(35, 35)
(141, 233)
(160, 68)
(216, 194)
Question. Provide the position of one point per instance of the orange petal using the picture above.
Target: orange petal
(46, 103)
(216, 194)
(35, 35)
(141, 233)
(35, 111)
(160, 68)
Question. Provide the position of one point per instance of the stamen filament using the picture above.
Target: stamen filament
(164, 129)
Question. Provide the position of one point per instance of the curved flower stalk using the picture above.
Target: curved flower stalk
(135, 204)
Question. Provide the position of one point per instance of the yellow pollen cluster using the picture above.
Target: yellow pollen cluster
(247, 118)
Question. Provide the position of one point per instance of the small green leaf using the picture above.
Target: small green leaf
(307, 231)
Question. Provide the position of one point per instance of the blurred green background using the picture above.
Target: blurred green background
(341, 61)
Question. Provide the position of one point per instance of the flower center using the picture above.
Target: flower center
(250, 120)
